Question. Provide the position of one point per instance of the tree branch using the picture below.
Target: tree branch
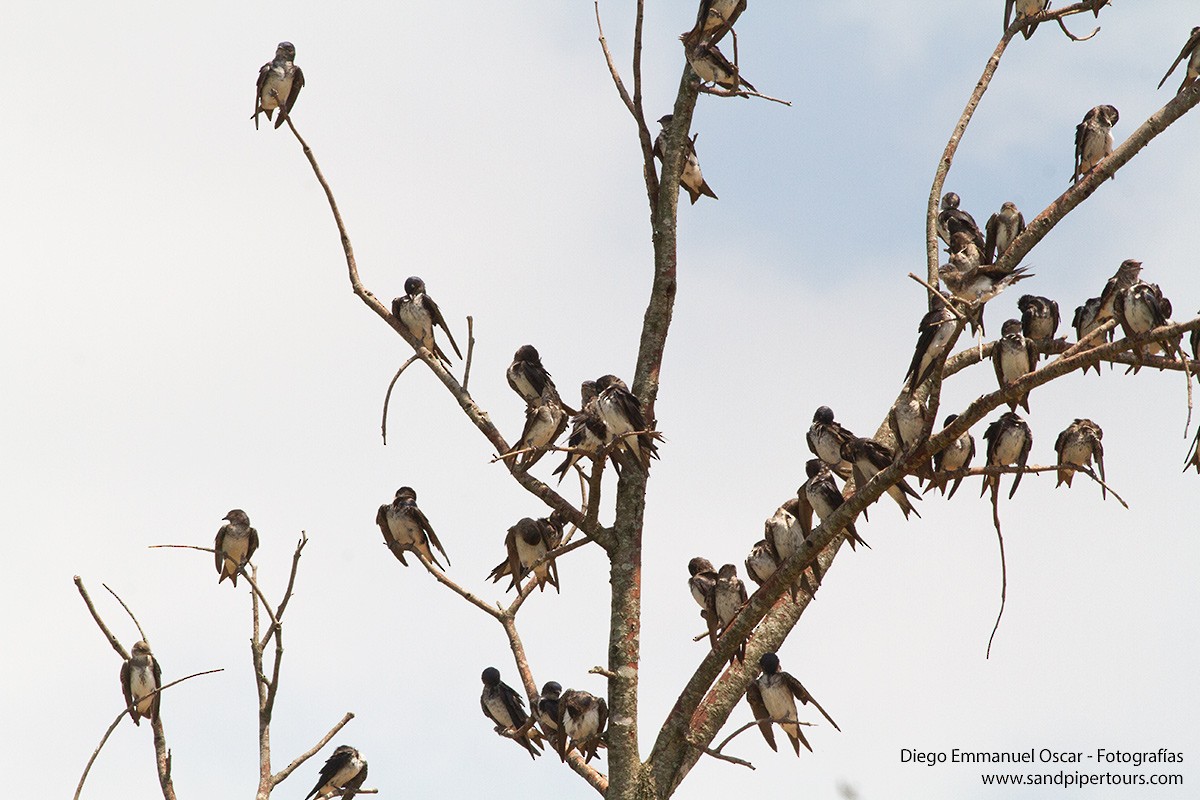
(282, 775)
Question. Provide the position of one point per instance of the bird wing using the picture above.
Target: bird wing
(1022, 460)
(435, 315)
(419, 515)
(800, 693)
(290, 100)
(125, 690)
(1192, 42)
(354, 784)
(220, 556)
(754, 698)
(993, 230)
(514, 559)
(253, 544)
(393, 545)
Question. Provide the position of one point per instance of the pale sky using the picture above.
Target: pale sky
(180, 339)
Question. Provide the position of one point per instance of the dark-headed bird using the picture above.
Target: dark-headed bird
(141, 675)
(1085, 321)
(869, 458)
(589, 434)
(1079, 445)
(405, 527)
(1014, 357)
(1190, 51)
(1039, 317)
(826, 438)
(953, 457)
(772, 697)
(527, 543)
(546, 711)
(1094, 139)
(582, 718)
(820, 495)
(343, 775)
(236, 543)
(935, 332)
(726, 599)
(1009, 441)
(503, 706)
(528, 378)
(417, 312)
(1140, 309)
(279, 84)
(702, 580)
(951, 220)
(621, 412)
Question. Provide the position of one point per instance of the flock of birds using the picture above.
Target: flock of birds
(610, 425)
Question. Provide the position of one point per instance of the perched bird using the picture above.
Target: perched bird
(1079, 444)
(279, 84)
(582, 717)
(935, 334)
(826, 438)
(1087, 320)
(1002, 227)
(544, 423)
(1009, 441)
(869, 457)
(955, 456)
(528, 378)
(713, 21)
(691, 178)
(1039, 317)
(772, 697)
(701, 583)
(711, 66)
(907, 420)
(951, 220)
(589, 434)
(1025, 8)
(1194, 340)
(503, 706)
(1190, 51)
(977, 284)
(343, 775)
(546, 711)
(724, 602)
(1126, 276)
(762, 562)
(527, 543)
(621, 412)
(820, 494)
(1013, 358)
(236, 543)
(785, 535)
(405, 527)
(1139, 309)
(1093, 139)
(141, 675)
(417, 311)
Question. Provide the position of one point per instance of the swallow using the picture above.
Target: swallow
(1125, 276)
(1193, 456)
(955, 456)
(951, 220)
(503, 706)
(1025, 8)
(343, 775)
(869, 457)
(589, 434)
(819, 494)
(582, 717)
(1093, 139)
(279, 84)
(976, 284)
(726, 599)
(762, 562)
(691, 178)
(935, 333)
(546, 711)
(907, 420)
(1194, 340)
(772, 697)
(1079, 444)
(1002, 227)
(543, 425)
(1014, 357)
(621, 412)
(826, 438)
(236, 543)
(1039, 317)
(713, 21)
(1009, 441)
(1139, 309)
(528, 378)
(141, 675)
(405, 527)
(1190, 51)
(417, 311)
(1085, 321)
(701, 583)
(711, 66)
(784, 535)
(527, 543)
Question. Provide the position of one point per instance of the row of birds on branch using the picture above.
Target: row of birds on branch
(573, 719)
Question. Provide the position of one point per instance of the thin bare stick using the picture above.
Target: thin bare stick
(1003, 564)
(277, 618)
(282, 775)
(598, 670)
(387, 398)
(1072, 36)
(470, 351)
(95, 753)
(612, 67)
(112, 639)
(241, 570)
(721, 756)
(719, 92)
(141, 633)
(470, 597)
(935, 293)
(532, 583)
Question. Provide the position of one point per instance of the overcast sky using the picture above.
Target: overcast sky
(179, 339)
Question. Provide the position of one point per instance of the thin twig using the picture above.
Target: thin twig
(241, 570)
(719, 92)
(612, 67)
(1072, 36)
(387, 398)
(443, 579)
(935, 293)
(282, 775)
(1003, 564)
(532, 583)
(141, 633)
(470, 351)
(121, 715)
(277, 618)
(598, 670)
(112, 639)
